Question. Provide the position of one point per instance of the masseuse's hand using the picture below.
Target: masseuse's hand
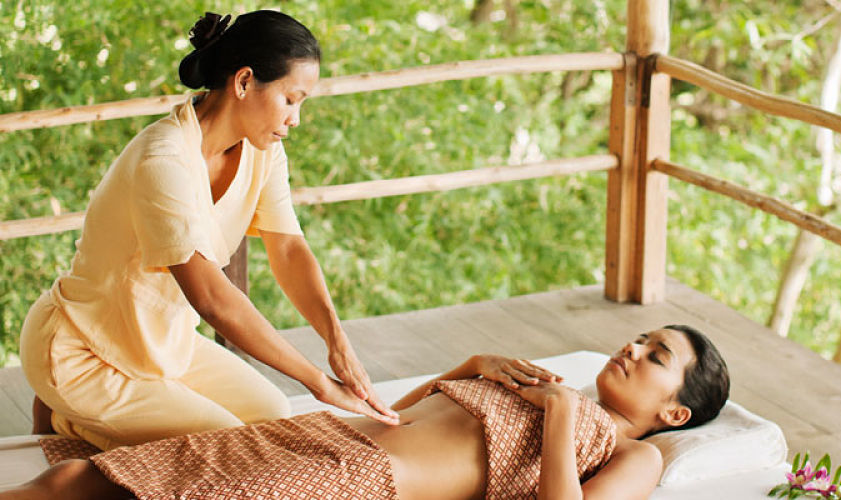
(334, 392)
(512, 372)
(350, 371)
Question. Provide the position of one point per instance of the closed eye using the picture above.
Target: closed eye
(653, 357)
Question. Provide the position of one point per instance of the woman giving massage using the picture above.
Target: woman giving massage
(492, 427)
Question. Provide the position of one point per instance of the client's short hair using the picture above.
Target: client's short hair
(706, 382)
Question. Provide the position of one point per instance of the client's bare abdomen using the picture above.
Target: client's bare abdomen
(437, 451)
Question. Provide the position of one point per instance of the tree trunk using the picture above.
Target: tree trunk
(807, 244)
(837, 357)
(481, 12)
(796, 271)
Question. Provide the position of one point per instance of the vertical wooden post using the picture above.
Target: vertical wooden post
(622, 184)
(635, 253)
(237, 272)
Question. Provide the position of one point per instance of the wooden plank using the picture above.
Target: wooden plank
(15, 403)
(17, 390)
(622, 201)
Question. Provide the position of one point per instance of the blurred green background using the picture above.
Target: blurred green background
(421, 251)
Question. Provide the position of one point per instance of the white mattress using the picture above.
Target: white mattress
(21, 458)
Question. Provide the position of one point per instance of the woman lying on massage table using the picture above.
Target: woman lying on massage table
(492, 427)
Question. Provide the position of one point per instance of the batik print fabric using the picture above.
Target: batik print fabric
(514, 431)
(312, 456)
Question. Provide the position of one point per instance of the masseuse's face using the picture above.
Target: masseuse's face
(270, 109)
(641, 381)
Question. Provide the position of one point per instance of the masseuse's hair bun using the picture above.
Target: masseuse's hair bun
(203, 35)
(208, 29)
(266, 41)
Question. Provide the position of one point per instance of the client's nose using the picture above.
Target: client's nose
(631, 350)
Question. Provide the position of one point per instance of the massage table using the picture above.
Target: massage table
(741, 461)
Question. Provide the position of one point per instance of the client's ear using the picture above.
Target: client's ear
(675, 414)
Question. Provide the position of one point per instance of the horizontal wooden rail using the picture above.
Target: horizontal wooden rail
(749, 96)
(449, 181)
(351, 84)
(804, 220)
(362, 190)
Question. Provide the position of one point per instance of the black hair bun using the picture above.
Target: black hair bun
(203, 35)
(208, 29)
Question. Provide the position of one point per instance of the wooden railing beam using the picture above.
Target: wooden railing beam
(779, 208)
(363, 190)
(365, 82)
(762, 101)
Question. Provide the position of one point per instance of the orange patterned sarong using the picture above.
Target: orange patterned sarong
(514, 433)
(308, 456)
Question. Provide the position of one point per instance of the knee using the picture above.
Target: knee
(271, 407)
(276, 407)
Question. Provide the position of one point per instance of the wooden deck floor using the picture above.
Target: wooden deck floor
(772, 377)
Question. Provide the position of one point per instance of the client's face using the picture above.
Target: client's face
(642, 380)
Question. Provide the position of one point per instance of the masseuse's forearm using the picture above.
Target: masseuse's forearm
(558, 469)
(299, 275)
(232, 314)
(236, 319)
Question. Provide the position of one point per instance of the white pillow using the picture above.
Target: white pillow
(735, 441)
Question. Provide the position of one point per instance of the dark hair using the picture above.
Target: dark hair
(706, 382)
(267, 41)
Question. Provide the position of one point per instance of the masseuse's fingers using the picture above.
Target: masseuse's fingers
(350, 371)
(340, 395)
(383, 409)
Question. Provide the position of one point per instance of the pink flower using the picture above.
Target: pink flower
(820, 483)
(802, 476)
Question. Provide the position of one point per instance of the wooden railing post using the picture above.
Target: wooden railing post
(635, 250)
(237, 272)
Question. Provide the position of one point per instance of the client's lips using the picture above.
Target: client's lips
(621, 363)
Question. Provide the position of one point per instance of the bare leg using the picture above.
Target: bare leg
(68, 480)
(41, 417)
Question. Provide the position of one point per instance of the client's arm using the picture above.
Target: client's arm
(558, 470)
(631, 473)
(507, 371)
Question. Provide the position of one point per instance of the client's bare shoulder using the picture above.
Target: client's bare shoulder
(635, 466)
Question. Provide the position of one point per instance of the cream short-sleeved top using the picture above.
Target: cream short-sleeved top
(154, 209)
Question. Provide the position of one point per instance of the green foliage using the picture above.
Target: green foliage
(412, 252)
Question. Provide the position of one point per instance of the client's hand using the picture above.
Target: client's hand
(512, 372)
(540, 394)
(334, 392)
